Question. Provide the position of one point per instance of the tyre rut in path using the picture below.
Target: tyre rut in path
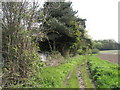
(79, 75)
(68, 77)
(81, 82)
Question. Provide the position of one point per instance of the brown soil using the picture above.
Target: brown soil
(110, 57)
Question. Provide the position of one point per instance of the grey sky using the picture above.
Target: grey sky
(101, 15)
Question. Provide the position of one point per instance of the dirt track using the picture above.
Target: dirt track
(110, 57)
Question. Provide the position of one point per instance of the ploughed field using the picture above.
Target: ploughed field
(110, 55)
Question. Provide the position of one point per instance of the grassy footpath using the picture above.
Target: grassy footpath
(85, 76)
(55, 76)
(104, 73)
(73, 81)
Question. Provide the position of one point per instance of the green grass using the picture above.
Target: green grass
(73, 81)
(104, 73)
(55, 76)
(85, 77)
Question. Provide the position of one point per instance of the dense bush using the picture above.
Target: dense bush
(20, 54)
(104, 73)
(22, 60)
(107, 44)
(95, 51)
(54, 59)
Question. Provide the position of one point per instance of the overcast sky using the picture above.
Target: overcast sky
(101, 15)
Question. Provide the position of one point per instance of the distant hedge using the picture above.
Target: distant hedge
(107, 44)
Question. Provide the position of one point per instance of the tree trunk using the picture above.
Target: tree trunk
(65, 53)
